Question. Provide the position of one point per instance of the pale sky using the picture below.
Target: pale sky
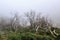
(49, 7)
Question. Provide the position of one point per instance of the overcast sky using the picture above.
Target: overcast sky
(49, 7)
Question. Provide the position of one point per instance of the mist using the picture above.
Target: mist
(46, 7)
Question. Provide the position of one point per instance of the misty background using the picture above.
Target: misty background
(51, 8)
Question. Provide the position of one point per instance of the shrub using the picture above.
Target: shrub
(13, 36)
(27, 36)
(58, 37)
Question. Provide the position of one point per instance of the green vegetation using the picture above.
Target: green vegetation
(26, 36)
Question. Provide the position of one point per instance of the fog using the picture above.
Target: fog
(46, 7)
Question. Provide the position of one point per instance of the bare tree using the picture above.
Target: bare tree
(31, 18)
(47, 25)
(39, 22)
(15, 22)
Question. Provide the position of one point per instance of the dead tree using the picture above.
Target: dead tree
(31, 18)
(39, 22)
(15, 22)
